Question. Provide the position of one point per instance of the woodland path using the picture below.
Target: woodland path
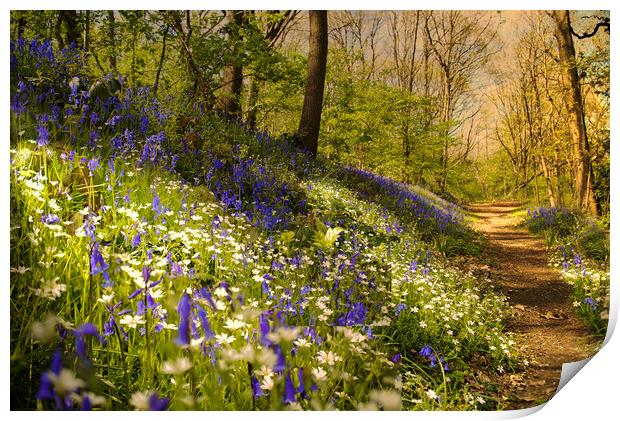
(544, 323)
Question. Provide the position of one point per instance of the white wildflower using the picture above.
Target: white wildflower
(132, 321)
(431, 394)
(179, 366)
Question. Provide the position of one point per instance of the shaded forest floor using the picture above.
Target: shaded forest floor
(543, 323)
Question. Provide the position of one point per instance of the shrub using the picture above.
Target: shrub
(592, 242)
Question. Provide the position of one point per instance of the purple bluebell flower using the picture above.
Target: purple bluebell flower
(46, 389)
(184, 310)
(135, 241)
(157, 204)
(426, 351)
(87, 329)
(289, 390)
(256, 389)
(108, 327)
(97, 264)
(86, 404)
(302, 387)
(204, 322)
(50, 219)
(263, 323)
(43, 133)
(135, 293)
(157, 404)
(280, 362)
(93, 164)
(590, 302)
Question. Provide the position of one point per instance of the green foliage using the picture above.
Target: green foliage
(460, 242)
(280, 99)
(371, 124)
(592, 241)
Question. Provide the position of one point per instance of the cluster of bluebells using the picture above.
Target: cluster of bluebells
(401, 198)
(30, 57)
(62, 108)
(590, 284)
(250, 187)
(559, 220)
(59, 384)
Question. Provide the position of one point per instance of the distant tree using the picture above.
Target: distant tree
(310, 122)
(461, 44)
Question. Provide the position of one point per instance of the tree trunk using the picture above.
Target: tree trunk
(250, 119)
(577, 128)
(558, 178)
(112, 40)
(310, 122)
(406, 151)
(161, 62)
(72, 35)
(21, 24)
(87, 31)
(550, 193)
(233, 73)
(445, 117)
(58, 31)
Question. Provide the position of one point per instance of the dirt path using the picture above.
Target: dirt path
(544, 321)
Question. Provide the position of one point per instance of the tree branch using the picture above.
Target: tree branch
(603, 24)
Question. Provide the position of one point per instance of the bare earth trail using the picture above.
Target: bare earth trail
(543, 318)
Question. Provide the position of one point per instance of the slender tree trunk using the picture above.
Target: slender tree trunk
(577, 128)
(250, 105)
(550, 193)
(310, 122)
(558, 179)
(527, 182)
(428, 114)
(406, 151)
(537, 193)
(161, 62)
(185, 39)
(58, 31)
(72, 33)
(233, 73)
(21, 24)
(112, 40)
(87, 32)
(481, 182)
(445, 117)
